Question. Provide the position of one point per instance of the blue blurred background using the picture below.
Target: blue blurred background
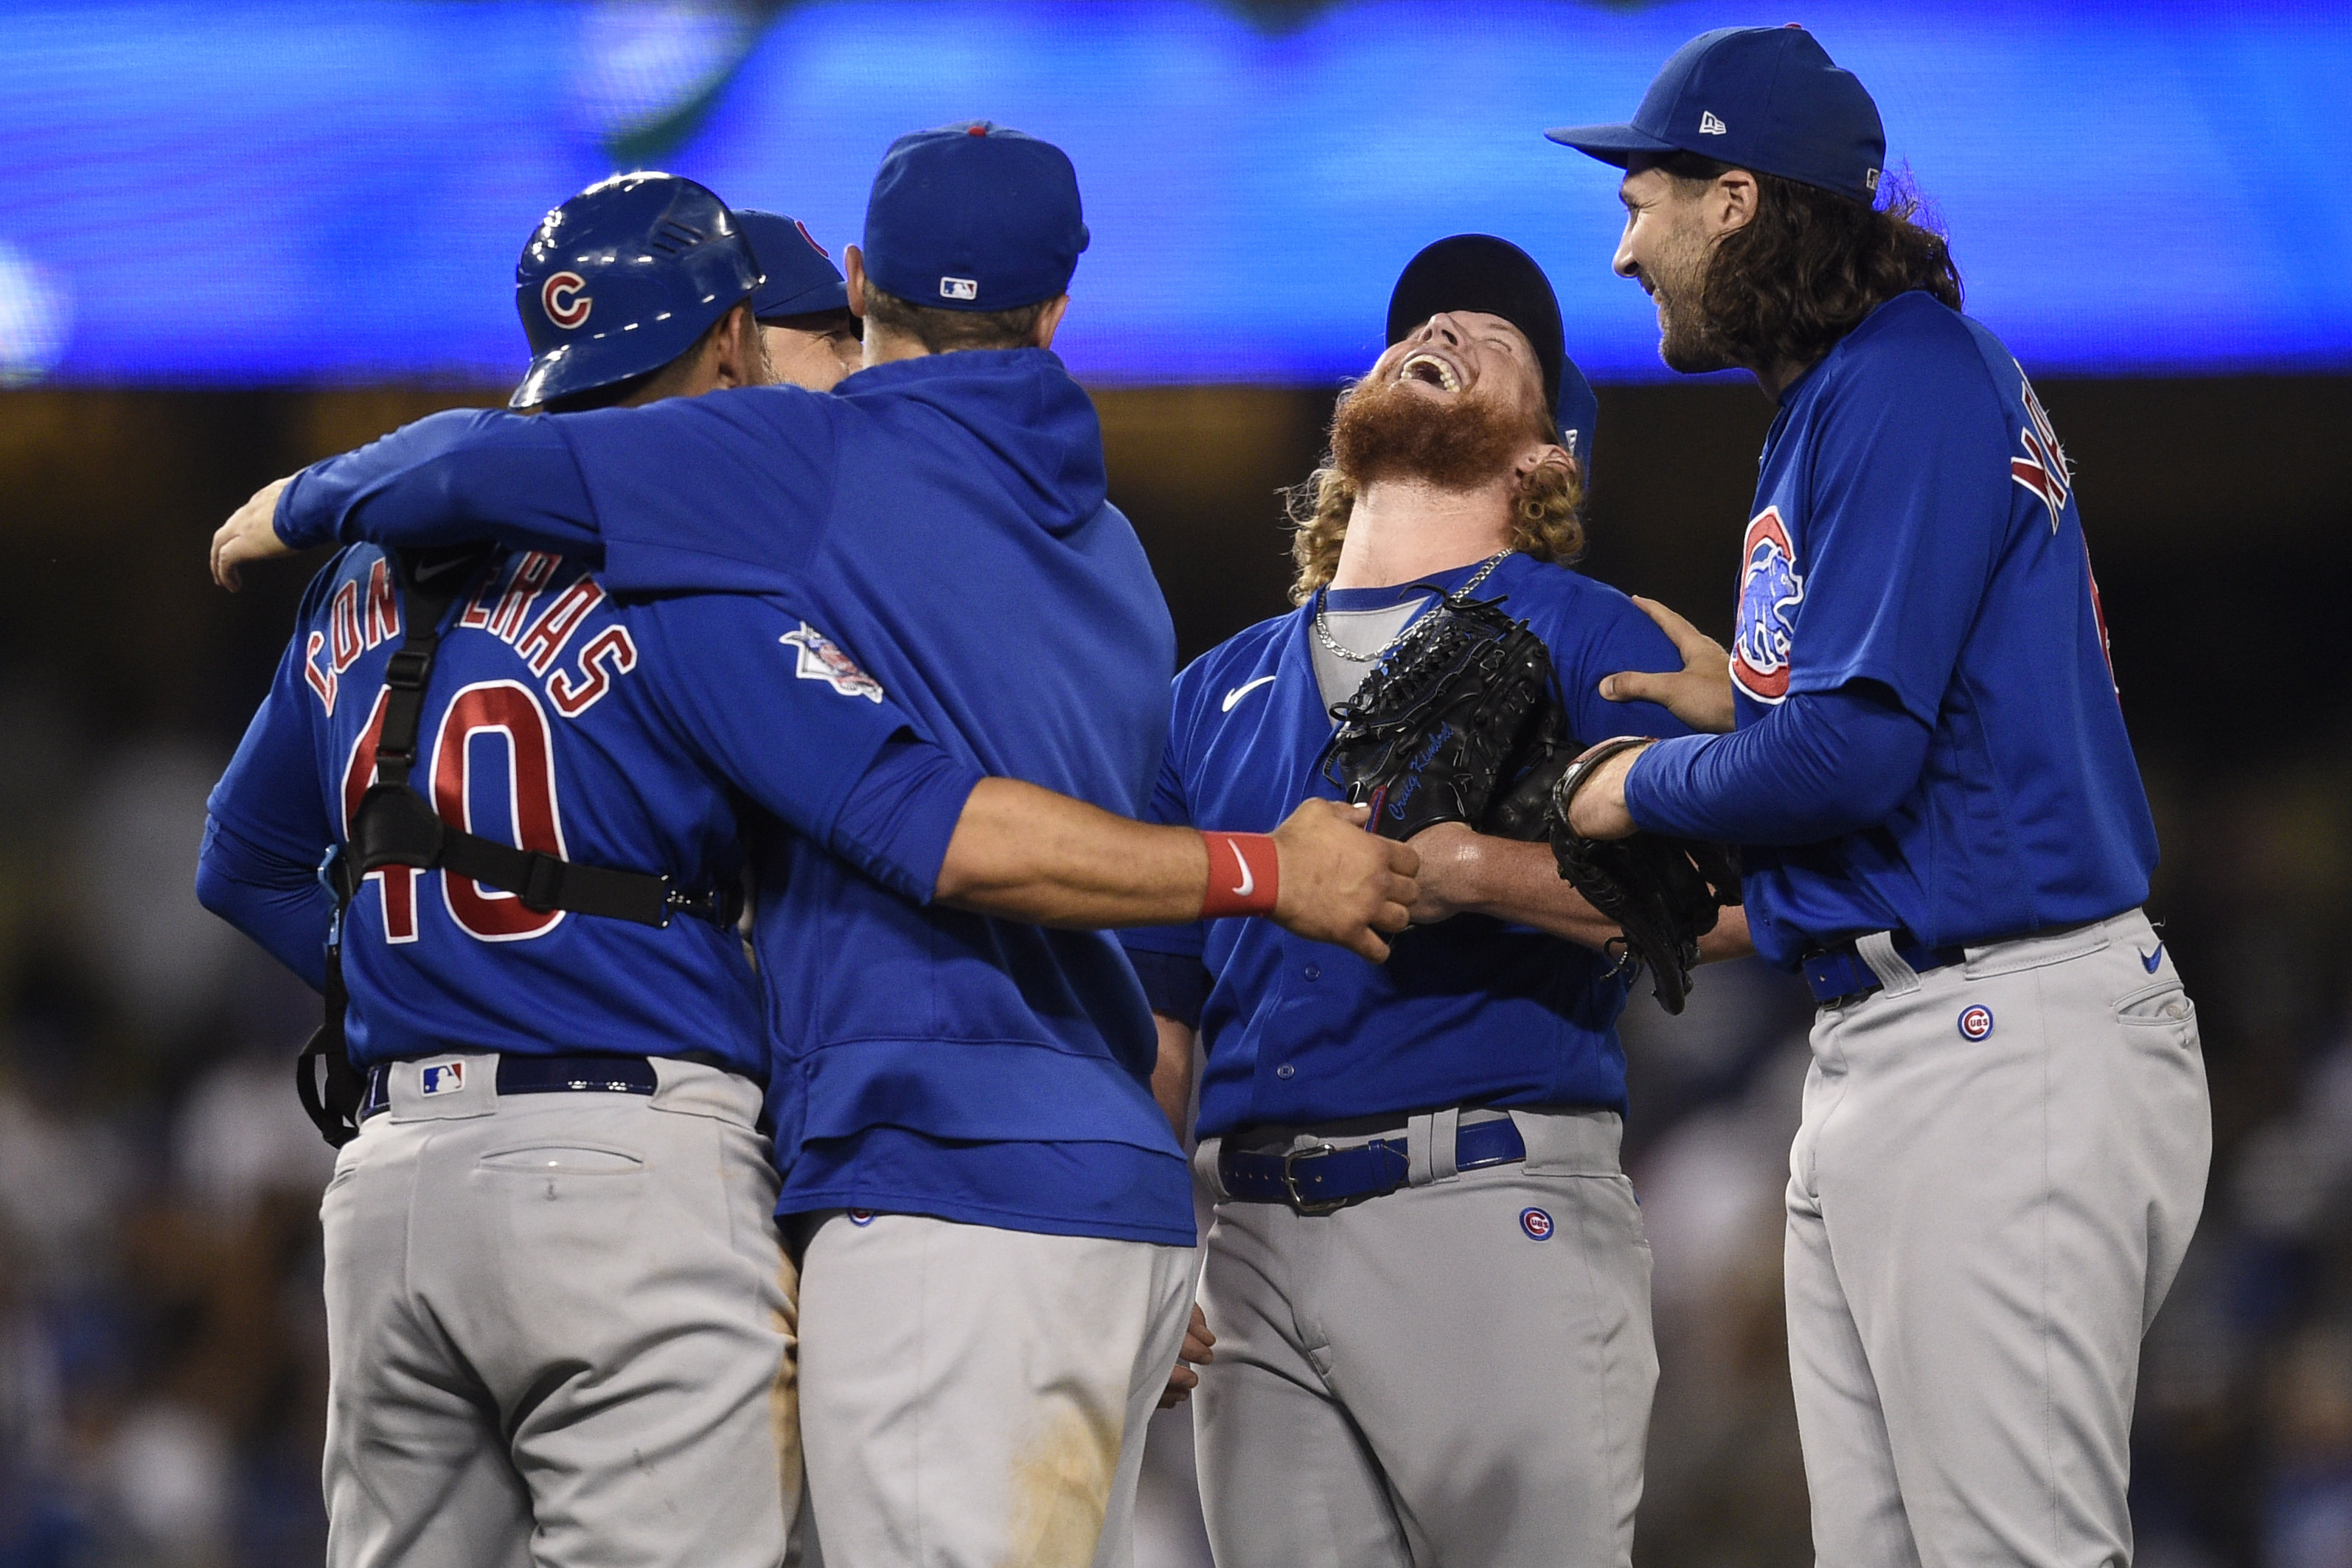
(314, 192)
(237, 237)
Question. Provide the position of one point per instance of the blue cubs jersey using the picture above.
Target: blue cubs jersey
(946, 518)
(556, 719)
(1917, 527)
(1470, 1010)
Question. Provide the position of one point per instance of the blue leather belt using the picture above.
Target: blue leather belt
(538, 1075)
(1319, 1180)
(1835, 972)
(1839, 974)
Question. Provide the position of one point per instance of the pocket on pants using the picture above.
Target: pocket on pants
(2160, 1014)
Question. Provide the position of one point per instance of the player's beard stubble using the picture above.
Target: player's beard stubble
(1384, 430)
(1678, 288)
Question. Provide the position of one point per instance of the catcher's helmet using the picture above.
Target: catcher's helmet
(621, 279)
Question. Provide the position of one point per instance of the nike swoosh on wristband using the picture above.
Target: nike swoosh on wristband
(1249, 882)
(1241, 691)
(2148, 960)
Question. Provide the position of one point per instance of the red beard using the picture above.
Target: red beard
(1382, 430)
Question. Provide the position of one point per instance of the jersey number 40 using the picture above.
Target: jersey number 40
(504, 714)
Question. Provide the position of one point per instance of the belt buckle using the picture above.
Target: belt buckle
(1290, 1181)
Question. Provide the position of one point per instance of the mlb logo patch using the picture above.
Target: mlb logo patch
(1975, 1023)
(1535, 1223)
(820, 659)
(959, 289)
(441, 1077)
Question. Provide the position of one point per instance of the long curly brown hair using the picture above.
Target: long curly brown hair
(1547, 523)
(1811, 264)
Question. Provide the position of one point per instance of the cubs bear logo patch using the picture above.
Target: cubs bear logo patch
(1769, 591)
(820, 659)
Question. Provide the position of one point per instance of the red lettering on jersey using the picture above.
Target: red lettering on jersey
(2044, 469)
(529, 578)
(399, 883)
(610, 647)
(2099, 615)
(478, 608)
(343, 623)
(382, 605)
(544, 642)
(321, 680)
(507, 709)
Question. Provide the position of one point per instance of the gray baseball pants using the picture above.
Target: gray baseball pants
(1999, 1168)
(1456, 1375)
(559, 1330)
(974, 1397)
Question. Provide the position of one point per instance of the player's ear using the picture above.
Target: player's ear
(1542, 455)
(741, 353)
(1731, 201)
(1050, 319)
(853, 273)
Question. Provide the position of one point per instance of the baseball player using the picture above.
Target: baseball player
(2006, 1129)
(1426, 1281)
(558, 1318)
(802, 304)
(996, 1218)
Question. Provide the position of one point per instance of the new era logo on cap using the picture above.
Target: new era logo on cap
(959, 289)
(1769, 99)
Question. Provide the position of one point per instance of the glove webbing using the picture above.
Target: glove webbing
(393, 825)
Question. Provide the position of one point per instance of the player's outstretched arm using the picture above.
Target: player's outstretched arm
(1699, 694)
(1466, 872)
(1021, 853)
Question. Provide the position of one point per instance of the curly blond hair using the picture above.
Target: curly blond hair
(1546, 522)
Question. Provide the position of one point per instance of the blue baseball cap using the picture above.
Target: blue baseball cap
(801, 279)
(1766, 99)
(1495, 277)
(973, 217)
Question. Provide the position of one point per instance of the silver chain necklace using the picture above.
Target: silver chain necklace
(1340, 650)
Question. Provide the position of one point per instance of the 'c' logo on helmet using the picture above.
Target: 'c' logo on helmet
(562, 298)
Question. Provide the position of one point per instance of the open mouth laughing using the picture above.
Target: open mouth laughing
(1430, 370)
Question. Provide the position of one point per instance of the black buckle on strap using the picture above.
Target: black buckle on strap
(408, 668)
(542, 881)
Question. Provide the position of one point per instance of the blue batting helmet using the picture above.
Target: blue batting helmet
(621, 279)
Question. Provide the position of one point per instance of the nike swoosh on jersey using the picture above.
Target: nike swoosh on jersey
(1240, 692)
(2148, 960)
(1249, 883)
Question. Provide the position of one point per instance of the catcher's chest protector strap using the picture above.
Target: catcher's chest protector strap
(395, 825)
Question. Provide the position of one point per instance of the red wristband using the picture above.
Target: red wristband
(1245, 874)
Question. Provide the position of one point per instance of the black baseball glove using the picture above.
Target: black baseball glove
(1522, 807)
(1662, 891)
(1434, 729)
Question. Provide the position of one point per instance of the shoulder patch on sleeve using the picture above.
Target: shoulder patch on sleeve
(820, 659)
